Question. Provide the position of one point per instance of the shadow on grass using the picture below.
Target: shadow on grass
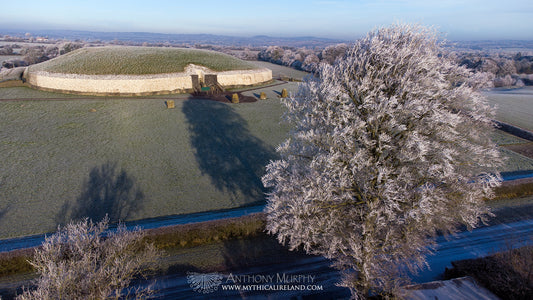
(106, 191)
(255, 252)
(181, 269)
(226, 150)
(4, 211)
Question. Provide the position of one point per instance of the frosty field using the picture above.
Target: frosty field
(9, 57)
(66, 156)
(132, 158)
(514, 106)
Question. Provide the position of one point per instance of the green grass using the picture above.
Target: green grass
(200, 156)
(515, 106)
(138, 61)
(503, 138)
(515, 162)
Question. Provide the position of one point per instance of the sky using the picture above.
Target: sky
(455, 19)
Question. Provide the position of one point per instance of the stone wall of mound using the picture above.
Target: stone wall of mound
(109, 85)
(139, 84)
(242, 78)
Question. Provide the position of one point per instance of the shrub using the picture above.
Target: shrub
(15, 262)
(507, 274)
(83, 261)
(189, 235)
(514, 191)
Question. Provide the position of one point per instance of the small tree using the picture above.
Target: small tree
(389, 146)
(34, 55)
(83, 261)
(69, 47)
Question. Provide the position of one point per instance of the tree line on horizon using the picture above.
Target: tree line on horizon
(503, 68)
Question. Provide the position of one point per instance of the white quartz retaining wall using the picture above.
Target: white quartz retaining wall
(140, 84)
(239, 78)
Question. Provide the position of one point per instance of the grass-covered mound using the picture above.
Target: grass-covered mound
(139, 61)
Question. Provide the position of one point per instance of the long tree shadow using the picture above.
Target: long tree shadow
(226, 150)
(4, 211)
(107, 191)
(264, 255)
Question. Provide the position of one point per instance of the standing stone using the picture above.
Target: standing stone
(235, 98)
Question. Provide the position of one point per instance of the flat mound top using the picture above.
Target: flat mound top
(139, 61)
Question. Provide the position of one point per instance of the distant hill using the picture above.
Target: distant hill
(254, 41)
(493, 45)
(191, 39)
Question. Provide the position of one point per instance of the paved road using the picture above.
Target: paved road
(36, 240)
(476, 243)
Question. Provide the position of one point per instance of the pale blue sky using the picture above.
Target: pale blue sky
(458, 20)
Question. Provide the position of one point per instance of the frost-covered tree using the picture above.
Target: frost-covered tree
(389, 146)
(331, 53)
(83, 261)
(311, 62)
(506, 80)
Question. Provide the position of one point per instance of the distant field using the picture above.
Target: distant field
(2, 43)
(517, 159)
(8, 57)
(515, 106)
(138, 61)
